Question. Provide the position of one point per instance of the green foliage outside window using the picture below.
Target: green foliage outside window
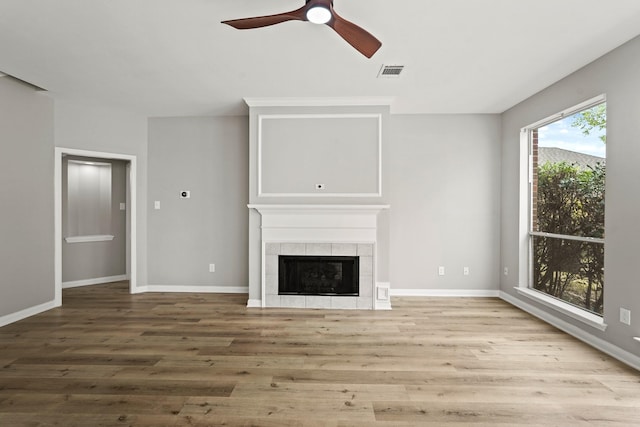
(570, 202)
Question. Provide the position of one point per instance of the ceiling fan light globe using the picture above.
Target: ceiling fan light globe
(319, 15)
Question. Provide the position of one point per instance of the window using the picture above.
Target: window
(567, 206)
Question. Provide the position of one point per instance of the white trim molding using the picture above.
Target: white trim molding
(319, 223)
(132, 189)
(598, 343)
(568, 112)
(96, 281)
(459, 293)
(88, 239)
(361, 101)
(27, 312)
(574, 312)
(198, 289)
(254, 303)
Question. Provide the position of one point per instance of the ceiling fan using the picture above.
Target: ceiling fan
(317, 12)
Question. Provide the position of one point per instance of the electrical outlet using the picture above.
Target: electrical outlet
(506, 271)
(441, 271)
(212, 268)
(156, 204)
(465, 271)
(123, 206)
(625, 316)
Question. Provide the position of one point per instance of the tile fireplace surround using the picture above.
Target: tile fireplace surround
(338, 230)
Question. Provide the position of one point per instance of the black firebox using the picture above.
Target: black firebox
(318, 275)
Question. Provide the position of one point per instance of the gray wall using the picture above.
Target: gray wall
(110, 130)
(445, 201)
(616, 75)
(209, 157)
(94, 260)
(299, 152)
(26, 195)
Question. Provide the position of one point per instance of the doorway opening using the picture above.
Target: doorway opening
(130, 206)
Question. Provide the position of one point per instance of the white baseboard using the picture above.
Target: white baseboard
(198, 289)
(254, 303)
(460, 293)
(96, 281)
(383, 305)
(602, 345)
(27, 312)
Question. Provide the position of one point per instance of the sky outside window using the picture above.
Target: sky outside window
(562, 134)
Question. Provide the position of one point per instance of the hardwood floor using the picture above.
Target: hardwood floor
(107, 358)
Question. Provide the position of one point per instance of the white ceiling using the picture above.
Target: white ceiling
(174, 57)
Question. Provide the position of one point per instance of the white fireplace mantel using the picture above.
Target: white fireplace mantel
(314, 223)
(319, 223)
(318, 207)
(315, 208)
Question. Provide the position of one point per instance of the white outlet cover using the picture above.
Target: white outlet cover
(625, 316)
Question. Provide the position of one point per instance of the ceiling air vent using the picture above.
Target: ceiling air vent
(390, 70)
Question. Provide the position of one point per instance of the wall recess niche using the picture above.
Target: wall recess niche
(320, 155)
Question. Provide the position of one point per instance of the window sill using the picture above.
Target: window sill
(86, 239)
(574, 312)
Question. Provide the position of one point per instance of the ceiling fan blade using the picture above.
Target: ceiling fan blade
(362, 40)
(265, 21)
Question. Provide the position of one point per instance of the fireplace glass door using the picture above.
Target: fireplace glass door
(318, 275)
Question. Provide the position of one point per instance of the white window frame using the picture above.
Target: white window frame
(525, 224)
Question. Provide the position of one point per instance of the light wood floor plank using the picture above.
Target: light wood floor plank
(108, 358)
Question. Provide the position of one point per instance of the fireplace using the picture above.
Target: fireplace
(320, 233)
(318, 275)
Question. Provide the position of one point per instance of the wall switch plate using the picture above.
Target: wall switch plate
(212, 268)
(441, 271)
(319, 186)
(123, 206)
(156, 204)
(382, 294)
(625, 316)
(185, 194)
(465, 271)
(506, 271)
